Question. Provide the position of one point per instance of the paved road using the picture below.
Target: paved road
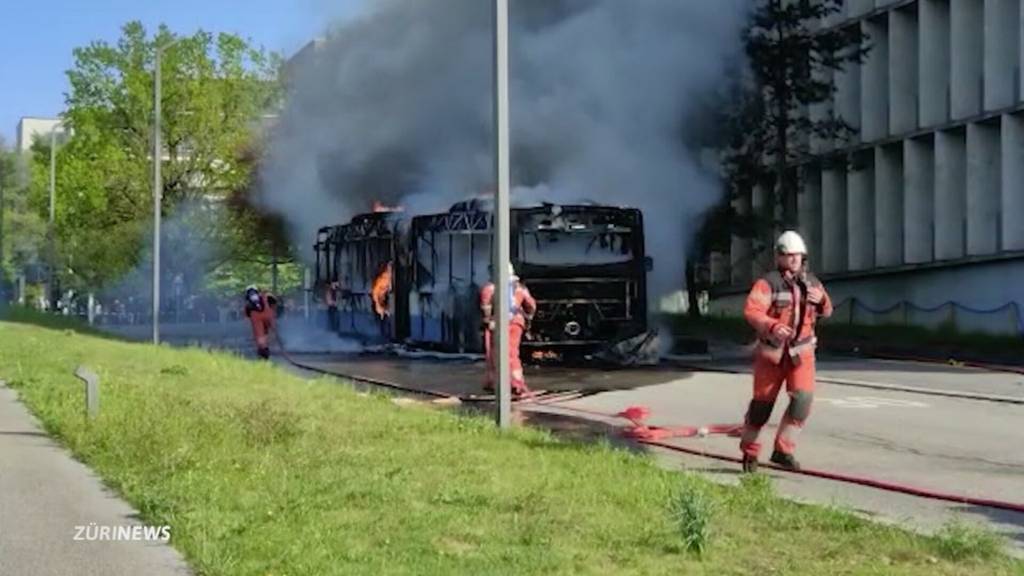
(463, 377)
(229, 335)
(953, 445)
(45, 494)
(925, 375)
(949, 445)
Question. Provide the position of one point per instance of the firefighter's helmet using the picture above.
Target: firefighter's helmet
(790, 243)
(252, 294)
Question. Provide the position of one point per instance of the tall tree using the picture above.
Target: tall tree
(216, 89)
(22, 231)
(792, 60)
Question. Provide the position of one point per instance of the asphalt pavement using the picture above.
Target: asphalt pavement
(954, 446)
(884, 420)
(51, 504)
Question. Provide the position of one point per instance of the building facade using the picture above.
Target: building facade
(30, 128)
(925, 222)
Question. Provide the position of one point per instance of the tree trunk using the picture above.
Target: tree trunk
(782, 191)
(273, 269)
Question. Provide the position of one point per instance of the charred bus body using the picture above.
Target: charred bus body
(587, 268)
(585, 264)
(362, 262)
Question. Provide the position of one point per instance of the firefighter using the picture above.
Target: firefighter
(783, 307)
(259, 309)
(522, 307)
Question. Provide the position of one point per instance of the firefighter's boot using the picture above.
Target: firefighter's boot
(749, 464)
(784, 460)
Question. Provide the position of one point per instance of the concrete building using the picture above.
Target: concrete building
(29, 128)
(926, 224)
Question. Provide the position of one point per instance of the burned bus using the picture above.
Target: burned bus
(358, 264)
(585, 264)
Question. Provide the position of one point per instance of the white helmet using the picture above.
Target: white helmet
(790, 243)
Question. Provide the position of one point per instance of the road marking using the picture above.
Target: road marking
(858, 402)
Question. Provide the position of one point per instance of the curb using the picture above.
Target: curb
(926, 391)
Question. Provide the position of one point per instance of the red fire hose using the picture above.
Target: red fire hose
(862, 481)
(656, 435)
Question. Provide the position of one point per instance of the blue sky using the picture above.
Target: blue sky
(37, 37)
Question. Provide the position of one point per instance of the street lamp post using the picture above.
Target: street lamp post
(501, 215)
(3, 276)
(157, 188)
(51, 231)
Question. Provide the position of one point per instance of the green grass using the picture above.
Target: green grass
(259, 472)
(959, 541)
(31, 316)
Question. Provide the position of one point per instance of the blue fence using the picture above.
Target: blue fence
(1005, 319)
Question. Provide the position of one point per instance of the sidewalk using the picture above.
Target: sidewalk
(45, 495)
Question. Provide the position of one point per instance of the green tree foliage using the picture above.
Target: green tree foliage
(22, 228)
(216, 93)
(792, 60)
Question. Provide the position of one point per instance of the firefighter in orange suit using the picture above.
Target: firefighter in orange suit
(522, 308)
(783, 307)
(259, 309)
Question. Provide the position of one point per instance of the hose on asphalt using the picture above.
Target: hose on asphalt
(657, 436)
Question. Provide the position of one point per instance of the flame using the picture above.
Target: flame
(379, 206)
(381, 289)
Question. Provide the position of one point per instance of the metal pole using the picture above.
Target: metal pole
(501, 216)
(3, 275)
(306, 289)
(157, 198)
(92, 390)
(53, 212)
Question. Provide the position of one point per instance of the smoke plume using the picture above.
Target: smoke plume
(396, 106)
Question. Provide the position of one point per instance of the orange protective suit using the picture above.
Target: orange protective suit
(781, 297)
(523, 306)
(263, 321)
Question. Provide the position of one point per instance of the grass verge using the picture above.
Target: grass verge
(259, 472)
(33, 317)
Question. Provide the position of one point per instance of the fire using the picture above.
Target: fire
(379, 206)
(381, 289)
